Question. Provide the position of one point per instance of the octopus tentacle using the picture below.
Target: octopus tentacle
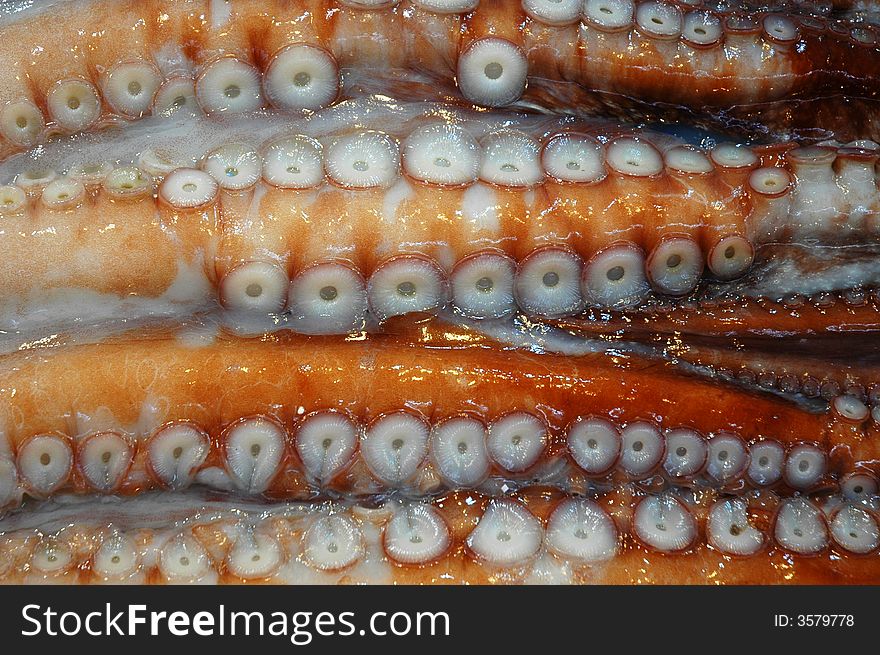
(292, 434)
(144, 57)
(534, 535)
(740, 340)
(357, 291)
(585, 224)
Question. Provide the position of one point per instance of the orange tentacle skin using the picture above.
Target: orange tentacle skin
(439, 292)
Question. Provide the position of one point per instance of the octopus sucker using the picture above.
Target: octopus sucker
(404, 285)
(253, 556)
(516, 441)
(130, 87)
(766, 462)
(642, 449)
(686, 453)
(492, 71)
(594, 444)
(416, 534)
(482, 285)
(730, 529)
(174, 452)
(333, 543)
(326, 442)
(440, 291)
(458, 446)
(104, 459)
(326, 298)
(44, 462)
(183, 559)
(315, 76)
(254, 448)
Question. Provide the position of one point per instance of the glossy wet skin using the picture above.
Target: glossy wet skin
(494, 297)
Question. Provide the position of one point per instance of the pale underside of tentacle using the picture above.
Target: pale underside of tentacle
(535, 536)
(284, 304)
